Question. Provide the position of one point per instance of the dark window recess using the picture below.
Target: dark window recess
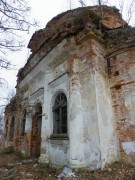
(6, 129)
(60, 114)
(116, 73)
(23, 123)
(12, 129)
(39, 125)
(117, 87)
(109, 66)
(39, 119)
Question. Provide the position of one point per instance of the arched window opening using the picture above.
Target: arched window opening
(12, 129)
(60, 114)
(39, 116)
(6, 129)
(23, 123)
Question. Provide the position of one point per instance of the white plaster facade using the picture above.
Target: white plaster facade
(90, 139)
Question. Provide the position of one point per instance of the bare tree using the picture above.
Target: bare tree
(130, 10)
(1, 115)
(13, 21)
(82, 3)
(6, 99)
(127, 8)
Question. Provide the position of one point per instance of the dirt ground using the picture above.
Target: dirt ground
(15, 167)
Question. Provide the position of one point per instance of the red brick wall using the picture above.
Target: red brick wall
(122, 83)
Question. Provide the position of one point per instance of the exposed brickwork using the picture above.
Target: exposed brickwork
(71, 21)
(11, 112)
(14, 109)
(122, 76)
(35, 137)
(105, 47)
(67, 25)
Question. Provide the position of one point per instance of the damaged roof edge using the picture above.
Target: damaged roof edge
(67, 18)
(68, 24)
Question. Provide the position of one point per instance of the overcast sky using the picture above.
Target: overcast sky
(43, 11)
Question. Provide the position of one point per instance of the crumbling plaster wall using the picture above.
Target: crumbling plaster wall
(58, 147)
(12, 110)
(91, 106)
(77, 71)
(31, 92)
(87, 145)
(47, 75)
(7, 128)
(122, 76)
(92, 62)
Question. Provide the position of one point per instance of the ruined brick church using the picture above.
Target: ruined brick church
(75, 96)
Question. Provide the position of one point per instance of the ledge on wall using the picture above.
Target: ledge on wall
(59, 137)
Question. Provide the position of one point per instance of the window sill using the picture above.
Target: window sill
(59, 137)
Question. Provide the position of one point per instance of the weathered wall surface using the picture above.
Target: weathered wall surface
(51, 76)
(57, 148)
(92, 143)
(92, 61)
(77, 71)
(122, 82)
(106, 120)
(66, 25)
(11, 136)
